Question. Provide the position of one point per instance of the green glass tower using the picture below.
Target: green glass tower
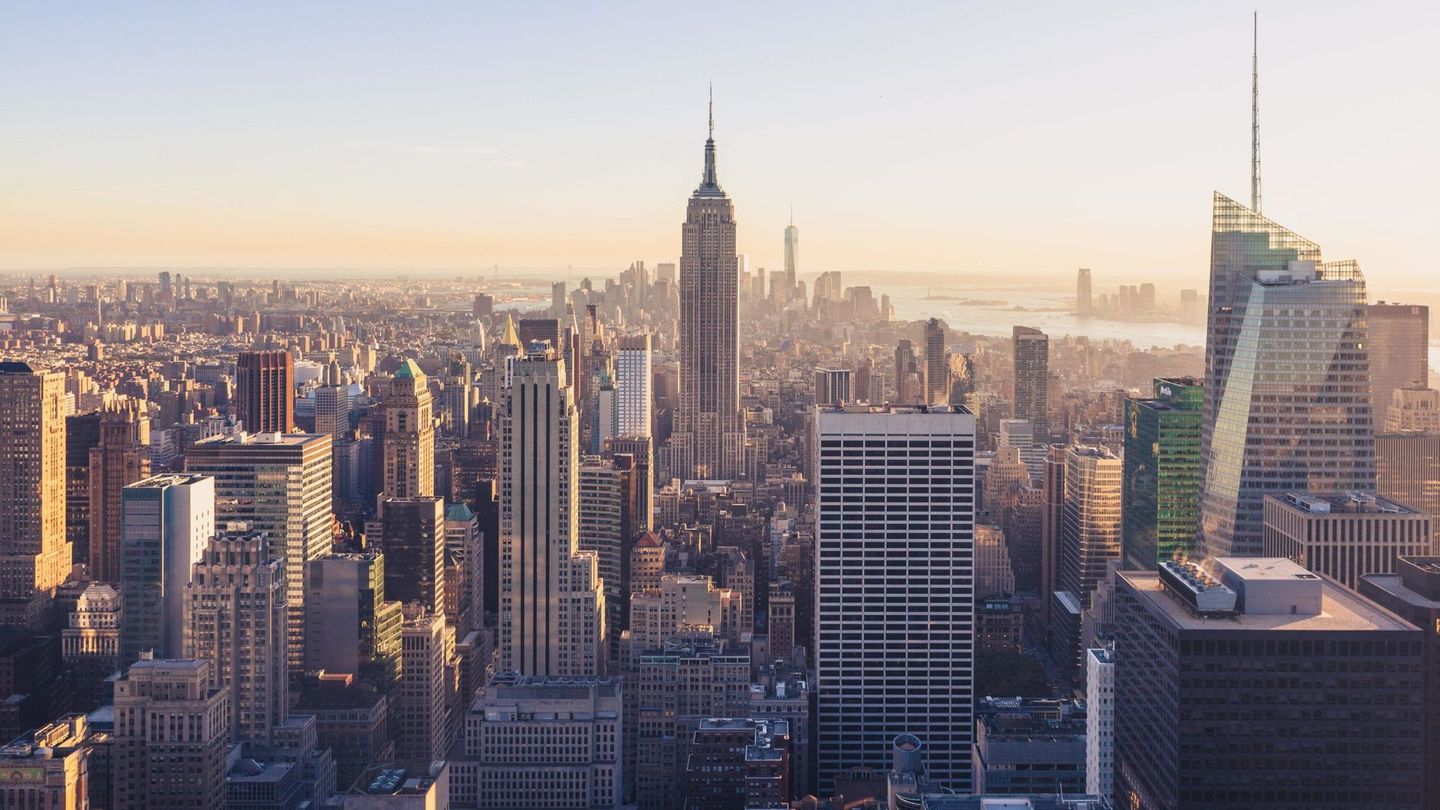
(1162, 473)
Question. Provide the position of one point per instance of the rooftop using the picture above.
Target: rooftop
(1337, 503)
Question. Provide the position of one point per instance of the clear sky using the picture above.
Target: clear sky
(1026, 138)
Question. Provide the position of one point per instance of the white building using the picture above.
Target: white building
(1099, 722)
(895, 596)
(165, 522)
(633, 375)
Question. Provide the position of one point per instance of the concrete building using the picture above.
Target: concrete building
(34, 553)
(1100, 722)
(1400, 355)
(249, 470)
(603, 488)
(1344, 535)
(738, 763)
(389, 788)
(993, 574)
(121, 457)
(265, 382)
(166, 521)
(832, 387)
(332, 410)
(1407, 452)
(1094, 517)
(235, 617)
(464, 570)
(634, 375)
(924, 460)
(421, 733)
(1413, 593)
(90, 644)
(172, 731)
(1032, 379)
(409, 435)
(684, 604)
(1029, 745)
(351, 719)
(531, 739)
(1052, 527)
(1222, 676)
(48, 767)
(351, 627)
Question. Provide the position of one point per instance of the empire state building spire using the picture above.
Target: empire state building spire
(709, 185)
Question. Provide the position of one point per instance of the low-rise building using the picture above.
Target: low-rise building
(1029, 745)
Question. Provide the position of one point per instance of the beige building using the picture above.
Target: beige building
(409, 438)
(90, 643)
(1344, 535)
(1090, 535)
(684, 603)
(34, 554)
(49, 768)
(993, 574)
(172, 732)
(420, 735)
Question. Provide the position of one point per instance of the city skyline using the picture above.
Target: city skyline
(235, 166)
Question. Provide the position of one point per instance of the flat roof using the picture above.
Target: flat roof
(1394, 585)
(1340, 609)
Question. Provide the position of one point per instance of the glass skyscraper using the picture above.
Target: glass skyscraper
(1162, 472)
(1287, 376)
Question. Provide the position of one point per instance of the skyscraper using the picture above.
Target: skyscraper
(792, 254)
(1399, 339)
(1052, 528)
(552, 609)
(1091, 535)
(409, 442)
(166, 521)
(895, 602)
(1032, 379)
(332, 410)
(34, 554)
(633, 374)
(350, 625)
(1083, 295)
(413, 539)
(280, 485)
(120, 458)
(1162, 472)
(1287, 379)
(832, 386)
(709, 344)
(420, 736)
(907, 374)
(265, 381)
(937, 364)
(235, 619)
(1344, 535)
(172, 731)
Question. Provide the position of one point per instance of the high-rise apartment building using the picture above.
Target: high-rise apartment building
(235, 618)
(634, 374)
(350, 625)
(34, 553)
(640, 450)
(1287, 377)
(1020, 434)
(937, 364)
(166, 521)
(1032, 379)
(1162, 472)
(265, 382)
(413, 539)
(280, 485)
(709, 344)
(1083, 295)
(1344, 535)
(1090, 538)
(121, 457)
(409, 436)
(552, 612)
(1399, 341)
(1412, 409)
(172, 731)
(895, 548)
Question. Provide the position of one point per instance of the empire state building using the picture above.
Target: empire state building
(709, 440)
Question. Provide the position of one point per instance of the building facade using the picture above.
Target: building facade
(1344, 535)
(34, 553)
(265, 382)
(166, 521)
(1162, 473)
(172, 730)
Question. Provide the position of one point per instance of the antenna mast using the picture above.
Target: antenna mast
(1255, 117)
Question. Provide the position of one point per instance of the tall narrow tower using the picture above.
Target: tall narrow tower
(1255, 116)
(409, 444)
(709, 328)
(792, 252)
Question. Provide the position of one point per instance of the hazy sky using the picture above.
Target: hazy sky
(999, 137)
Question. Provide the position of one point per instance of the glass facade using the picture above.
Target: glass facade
(1162, 473)
(1287, 377)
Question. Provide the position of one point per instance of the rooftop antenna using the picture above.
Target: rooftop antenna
(712, 110)
(1255, 116)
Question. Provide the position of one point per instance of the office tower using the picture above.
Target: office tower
(1412, 409)
(1344, 535)
(1100, 722)
(34, 554)
(709, 344)
(1032, 379)
(832, 387)
(409, 439)
(993, 574)
(265, 382)
(172, 732)
(235, 618)
(1093, 517)
(526, 736)
(90, 644)
(923, 533)
(639, 449)
(552, 612)
(1021, 434)
(1029, 746)
(681, 605)
(1399, 343)
(601, 529)
(907, 374)
(49, 767)
(456, 396)
(1407, 454)
(332, 410)
(541, 330)
(484, 306)
(166, 521)
(1287, 396)
(792, 254)
(413, 539)
(351, 719)
(1052, 528)
(604, 416)
(937, 364)
(280, 485)
(350, 625)
(1413, 592)
(738, 762)
(1162, 473)
(464, 570)
(420, 736)
(633, 375)
(1083, 296)
(82, 432)
(122, 457)
(1215, 674)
